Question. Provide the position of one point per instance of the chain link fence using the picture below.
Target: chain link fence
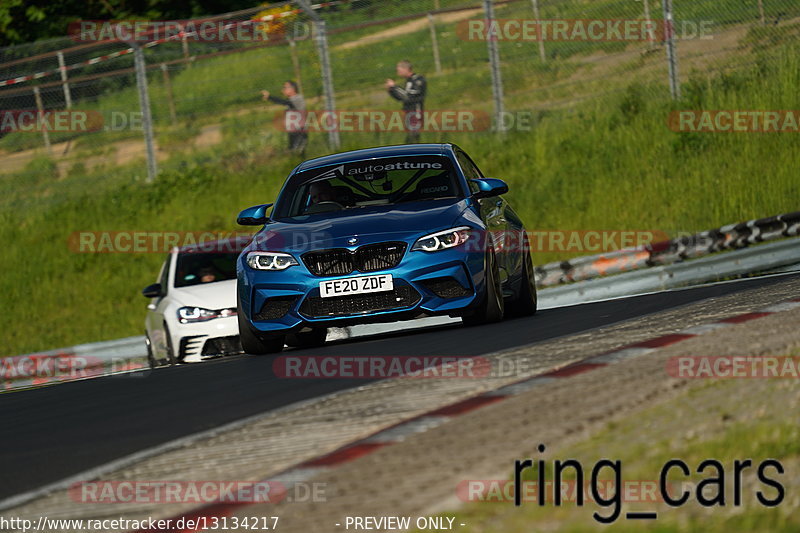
(199, 86)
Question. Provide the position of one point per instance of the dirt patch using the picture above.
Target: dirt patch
(692, 53)
(604, 71)
(209, 136)
(408, 27)
(116, 154)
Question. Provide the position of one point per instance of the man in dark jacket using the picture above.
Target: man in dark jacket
(412, 96)
(294, 101)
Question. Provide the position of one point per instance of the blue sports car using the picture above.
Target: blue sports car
(378, 235)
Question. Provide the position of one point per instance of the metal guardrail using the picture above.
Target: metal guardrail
(76, 362)
(729, 237)
(661, 266)
(703, 270)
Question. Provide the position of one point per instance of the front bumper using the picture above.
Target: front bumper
(425, 284)
(198, 341)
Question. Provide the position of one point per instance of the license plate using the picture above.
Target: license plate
(359, 285)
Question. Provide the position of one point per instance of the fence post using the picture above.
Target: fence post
(542, 53)
(170, 96)
(185, 47)
(761, 12)
(40, 108)
(296, 65)
(647, 19)
(144, 105)
(494, 63)
(321, 38)
(327, 78)
(672, 58)
(437, 62)
(65, 85)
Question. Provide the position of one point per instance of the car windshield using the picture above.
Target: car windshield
(361, 184)
(199, 267)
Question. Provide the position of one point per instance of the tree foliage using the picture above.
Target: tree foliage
(30, 20)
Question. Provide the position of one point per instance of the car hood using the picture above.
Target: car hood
(216, 295)
(367, 224)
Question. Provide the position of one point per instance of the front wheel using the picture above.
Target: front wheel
(255, 344)
(491, 307)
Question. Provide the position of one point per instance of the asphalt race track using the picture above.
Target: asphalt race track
(54, 432)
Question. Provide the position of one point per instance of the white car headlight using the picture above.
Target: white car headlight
(443, 240)
(270, 260)
(195, 314)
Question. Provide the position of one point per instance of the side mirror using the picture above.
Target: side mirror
(153, 291)
(489, 187)
(254, 216)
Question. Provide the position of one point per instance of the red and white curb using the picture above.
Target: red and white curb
(437, 417)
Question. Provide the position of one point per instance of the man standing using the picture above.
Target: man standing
(412, 96)
(296, 104)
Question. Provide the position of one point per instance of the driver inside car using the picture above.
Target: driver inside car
(321, 191)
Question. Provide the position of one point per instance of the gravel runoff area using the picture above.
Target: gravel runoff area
(420, 474)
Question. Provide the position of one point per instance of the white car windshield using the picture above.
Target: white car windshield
(198, 267)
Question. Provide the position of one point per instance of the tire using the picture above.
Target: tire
(307, 339)
(526, 301)
(151, 360)
(253, 343)
(491, 307)
(171, 359)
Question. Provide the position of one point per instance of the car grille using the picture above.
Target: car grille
(222, 346)
(367, 258)
(190, 346)
(275, 308)
(446, 287)
(400, 297)
(374, 257)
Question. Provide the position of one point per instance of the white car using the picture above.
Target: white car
(192, 311)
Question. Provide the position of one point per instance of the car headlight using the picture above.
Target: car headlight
(270, 260)
(443, 240)
(195, 314)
